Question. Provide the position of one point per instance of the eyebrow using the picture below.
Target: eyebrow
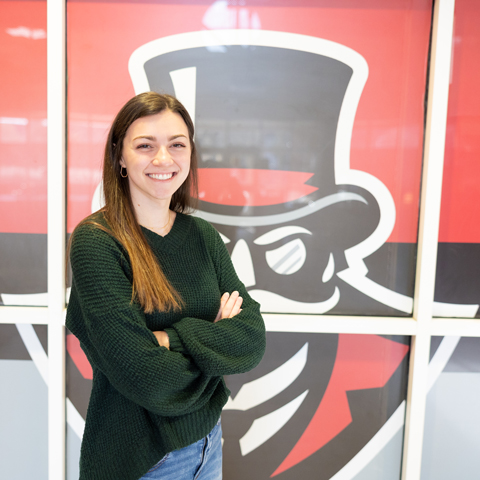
(274, 235)
(153, 139)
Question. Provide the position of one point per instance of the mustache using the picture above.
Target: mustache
(274, 219)
(273, 303)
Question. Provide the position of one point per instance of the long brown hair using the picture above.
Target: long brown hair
(150, 286)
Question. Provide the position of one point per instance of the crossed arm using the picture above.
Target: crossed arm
(117, 341)
(229, 307)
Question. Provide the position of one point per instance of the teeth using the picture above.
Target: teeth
(161, 176)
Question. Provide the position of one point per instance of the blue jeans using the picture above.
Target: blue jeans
(201, 460)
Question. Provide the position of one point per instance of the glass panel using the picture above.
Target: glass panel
(78, 387)
(310, 147)
(457, 291)
(23, 402)
(23, 153)
(310, 151)
(451, 441)
(313, 404)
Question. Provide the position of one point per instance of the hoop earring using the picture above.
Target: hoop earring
(121, 172)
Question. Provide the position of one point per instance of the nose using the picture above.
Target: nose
(242, 261)
(163, 157)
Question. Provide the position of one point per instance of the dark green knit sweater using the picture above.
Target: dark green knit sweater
(147, 400)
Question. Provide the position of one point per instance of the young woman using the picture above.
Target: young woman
(157, 307)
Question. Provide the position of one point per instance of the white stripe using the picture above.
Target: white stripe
(279, 233)
(34, 348)
(185, 85)
(374, 446)
(450, 310)
(265, 427)
(441, 358)
(26, 299)
(264, 388)
(75, 420)
(40, 360)
(273, 303)
(13, 120)
(376, 291)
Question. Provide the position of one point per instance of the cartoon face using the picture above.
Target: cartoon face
(290, 268)
(273, 115)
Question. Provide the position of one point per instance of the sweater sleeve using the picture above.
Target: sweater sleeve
(113, 332)
(231, 345)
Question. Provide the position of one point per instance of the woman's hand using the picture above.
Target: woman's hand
(162, 339)
(229, 306)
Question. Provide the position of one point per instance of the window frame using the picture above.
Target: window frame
(420, 327)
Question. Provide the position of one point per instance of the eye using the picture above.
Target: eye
(143, 146)
(178, 145)
(288, 258)
(279, 233)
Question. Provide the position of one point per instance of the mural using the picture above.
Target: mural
(274, 113)
(310, 132)
(23, 153)
(450, 445)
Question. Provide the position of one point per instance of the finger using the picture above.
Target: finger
(236, 308)
(162, 338)
(227, 309)
(223, 301)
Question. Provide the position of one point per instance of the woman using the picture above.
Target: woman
(157, 307)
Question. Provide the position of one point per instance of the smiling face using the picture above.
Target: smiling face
(156, 153)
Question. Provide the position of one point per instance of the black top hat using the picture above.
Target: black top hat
(266, 121)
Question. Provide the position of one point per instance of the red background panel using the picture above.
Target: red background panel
(460, 201)
(387, 135)
(23, 113)
(388, 132)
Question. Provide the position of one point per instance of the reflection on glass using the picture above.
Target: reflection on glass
(24, 401)
(23, 154)
(317, 393)
(457, 289)
(451, 442)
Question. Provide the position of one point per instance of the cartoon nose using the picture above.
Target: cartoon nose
(242, 261)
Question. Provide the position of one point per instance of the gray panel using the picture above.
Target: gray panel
(73, 454)
(23, 263)
(465, 358)
(457, 279)
(452, 442)
(11, 344)
(23, 420)
(387, 464)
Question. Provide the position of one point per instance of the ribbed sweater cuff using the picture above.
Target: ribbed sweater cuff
(175, 344)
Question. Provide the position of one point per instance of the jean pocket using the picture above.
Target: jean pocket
(159, 464)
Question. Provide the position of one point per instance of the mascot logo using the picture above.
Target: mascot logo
(273, 114)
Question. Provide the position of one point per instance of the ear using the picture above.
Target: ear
(122, 163)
